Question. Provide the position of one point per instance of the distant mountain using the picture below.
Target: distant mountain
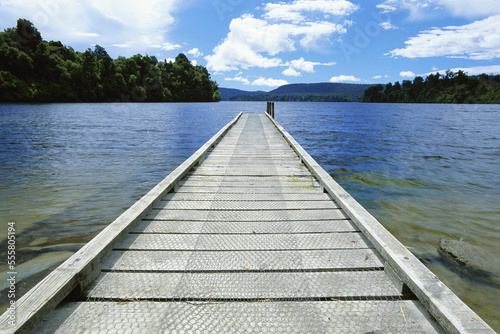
(229, 93)
(335, 92)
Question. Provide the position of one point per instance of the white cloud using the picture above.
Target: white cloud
(307, 66)
(123, 45)
(407, 74)
(85, 34)
(195, 52)
(169, 46)
(388, 6)
(380, 76)
(269, 82)
(239, 79)
(387, 25)
(342, 78)
(418, 9)
(121, 23)
(421, 9)
(476, 70)
(477, 40)
(295, 11)
(468, 8)
(313, 32)
(254, 41)
(247, 39)
(290, 72)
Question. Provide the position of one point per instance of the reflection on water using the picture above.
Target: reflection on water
(425, 171)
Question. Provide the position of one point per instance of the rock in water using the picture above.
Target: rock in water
(472, 258)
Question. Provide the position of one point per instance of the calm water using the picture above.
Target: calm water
(425, 171)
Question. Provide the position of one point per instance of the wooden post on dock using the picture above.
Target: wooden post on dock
(270, 109)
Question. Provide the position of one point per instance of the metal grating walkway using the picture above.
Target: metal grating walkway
(247, 242)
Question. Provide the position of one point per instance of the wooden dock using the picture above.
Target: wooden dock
(250, 234)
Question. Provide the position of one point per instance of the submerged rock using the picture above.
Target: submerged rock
(476, 260)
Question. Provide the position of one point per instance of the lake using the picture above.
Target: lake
(424, 171)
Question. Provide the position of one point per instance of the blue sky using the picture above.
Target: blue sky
(260, 45)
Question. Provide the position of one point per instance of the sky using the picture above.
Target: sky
(260, 45)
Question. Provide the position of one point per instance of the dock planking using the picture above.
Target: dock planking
(249, 235)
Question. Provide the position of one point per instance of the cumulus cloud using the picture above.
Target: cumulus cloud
(477, 40)
(269, 82)
(343, 78)
(169, 46)
(407, 74)
(290, 72)
(121, 23)
(294, 11)
(238, 78)
(388, 6)
(255, 41)
(307, 66)
(387, 25)
(195, 52)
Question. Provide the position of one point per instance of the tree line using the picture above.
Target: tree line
(34, 70)
(452, 87)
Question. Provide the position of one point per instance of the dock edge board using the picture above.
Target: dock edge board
(84, 266)
(449, 310)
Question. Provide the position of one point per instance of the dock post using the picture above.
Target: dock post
(272, 110)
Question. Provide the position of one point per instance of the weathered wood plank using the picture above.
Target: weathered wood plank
(184, 261)
(246, 216)
(404, 316)
(251, 190)
(193, 227)
(242, 285)
(292, 182)
(225, 242)
(239, 196)
(245, 206)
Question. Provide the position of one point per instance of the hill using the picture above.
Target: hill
(229, 93)
(321, 92)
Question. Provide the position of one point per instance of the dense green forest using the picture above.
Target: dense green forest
(34, 70)
(452, 87)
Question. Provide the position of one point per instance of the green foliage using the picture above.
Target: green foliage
(437, 88)
(34, 70)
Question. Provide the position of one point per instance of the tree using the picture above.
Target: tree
(28, 37)
(34, 70)
(374, 94)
